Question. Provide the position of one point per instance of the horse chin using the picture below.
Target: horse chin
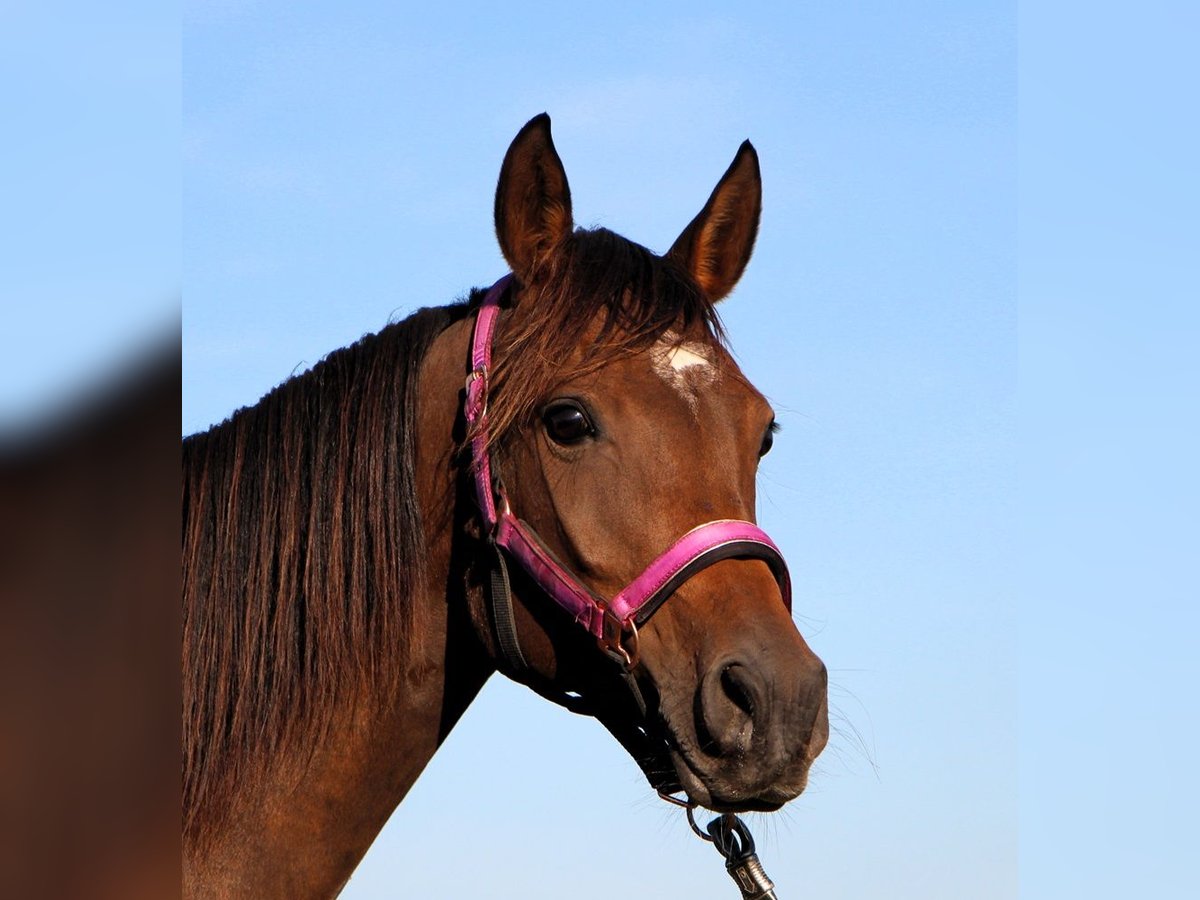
(711, 794)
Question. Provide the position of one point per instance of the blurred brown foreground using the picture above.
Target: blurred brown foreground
(89, 642)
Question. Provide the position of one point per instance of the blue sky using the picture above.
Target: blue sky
(339, 164)
(1109, 326)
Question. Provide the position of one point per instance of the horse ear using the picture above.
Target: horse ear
(717, 244)
(533, 200)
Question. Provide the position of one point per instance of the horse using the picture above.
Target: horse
(499, 484)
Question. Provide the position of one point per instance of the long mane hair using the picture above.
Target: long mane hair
(301, 539)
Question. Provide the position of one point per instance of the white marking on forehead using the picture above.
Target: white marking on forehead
(686, 356)
(685, 367)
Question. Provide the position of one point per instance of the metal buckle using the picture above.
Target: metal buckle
(474, 375)
(613, 633)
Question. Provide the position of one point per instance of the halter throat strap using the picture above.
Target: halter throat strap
(608, 619)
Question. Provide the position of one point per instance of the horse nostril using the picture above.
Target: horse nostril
(729, 700)
(733, 679)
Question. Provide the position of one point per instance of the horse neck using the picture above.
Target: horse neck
(303, 828)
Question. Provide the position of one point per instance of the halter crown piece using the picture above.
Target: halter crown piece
(609, 620)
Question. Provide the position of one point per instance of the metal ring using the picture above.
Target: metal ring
(675, 800)
(613, 633)
(696, 828)
(688, 805)
(632, 653)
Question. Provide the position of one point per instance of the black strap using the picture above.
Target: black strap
(631, 683)
(505, 626)
(636, 734)
(632, 732)
(502, 615)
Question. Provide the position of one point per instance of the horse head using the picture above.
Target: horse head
(619, 421)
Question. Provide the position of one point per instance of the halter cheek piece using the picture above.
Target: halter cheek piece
(613, 622)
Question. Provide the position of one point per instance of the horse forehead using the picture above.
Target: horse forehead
(688, 367)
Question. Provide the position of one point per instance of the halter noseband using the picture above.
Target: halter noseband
(609, 620)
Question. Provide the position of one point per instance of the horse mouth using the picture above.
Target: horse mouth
(709, 792)
(715, 792)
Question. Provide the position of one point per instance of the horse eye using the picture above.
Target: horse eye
(567, 424)
(768, 439)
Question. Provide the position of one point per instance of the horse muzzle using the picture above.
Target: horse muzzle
(743, 722)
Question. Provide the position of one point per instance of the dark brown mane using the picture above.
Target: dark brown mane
(594, 274)
(302, 537)
(302, 533)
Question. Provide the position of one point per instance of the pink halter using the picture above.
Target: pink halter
(608, 620)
